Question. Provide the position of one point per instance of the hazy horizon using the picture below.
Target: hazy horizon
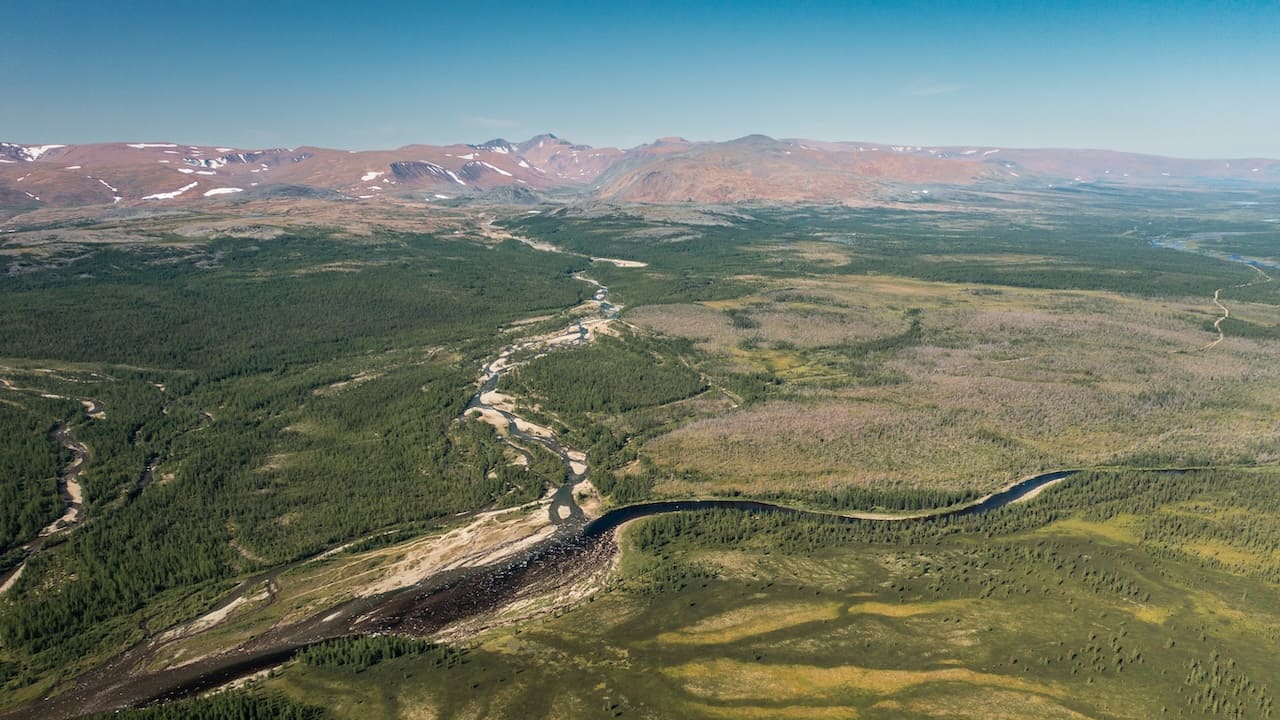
(1183, 80)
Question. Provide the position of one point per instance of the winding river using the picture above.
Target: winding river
(573, 554)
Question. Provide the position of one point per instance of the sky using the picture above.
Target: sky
(1188, 79)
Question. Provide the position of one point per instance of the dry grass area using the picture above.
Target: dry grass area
(820, 253)
(800, 712)
(728, 680)
(260, 218)
(1004, 382)
(751, 621)
(954, 701)
(800, 325)
(909, 610)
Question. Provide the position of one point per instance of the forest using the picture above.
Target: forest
(230, 371)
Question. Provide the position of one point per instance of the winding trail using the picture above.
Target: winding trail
(1254, 263)
(1217, 324)
(1226, 313)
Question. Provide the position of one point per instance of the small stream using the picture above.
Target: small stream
(69, 489)
(563, 510)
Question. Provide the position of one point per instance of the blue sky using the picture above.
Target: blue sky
(1190, 79)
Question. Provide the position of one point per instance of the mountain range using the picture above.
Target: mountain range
(754, 168)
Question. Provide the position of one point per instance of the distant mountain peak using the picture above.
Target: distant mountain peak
(755, 140)
(497, 145)
(541, 141)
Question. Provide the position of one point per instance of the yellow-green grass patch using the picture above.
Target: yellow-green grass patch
(751, 621)
(733, 680)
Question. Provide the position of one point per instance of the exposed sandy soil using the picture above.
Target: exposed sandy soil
(491, 417)
(487, 539)
(621, 263)
(1031, 495)
(13, 579)
(540, 599)
(577, 461)
(209, 619)
(94, 411)
(230, 228)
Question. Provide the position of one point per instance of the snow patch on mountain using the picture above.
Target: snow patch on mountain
(371, 175)
(211, 163)
(144, 146)
(170, 195)
(32, 152)
(222, 191)
(495, 168)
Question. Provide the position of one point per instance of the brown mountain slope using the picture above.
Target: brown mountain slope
(170, 173)
(761, 168)
(752, 168)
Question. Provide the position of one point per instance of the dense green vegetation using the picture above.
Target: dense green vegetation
(234, 307)
(611, 376)
(361, 653)
(609, 397)
(226, 706)
(29, 465)
(283, 406)
(1065, 246)
(1155, 498)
